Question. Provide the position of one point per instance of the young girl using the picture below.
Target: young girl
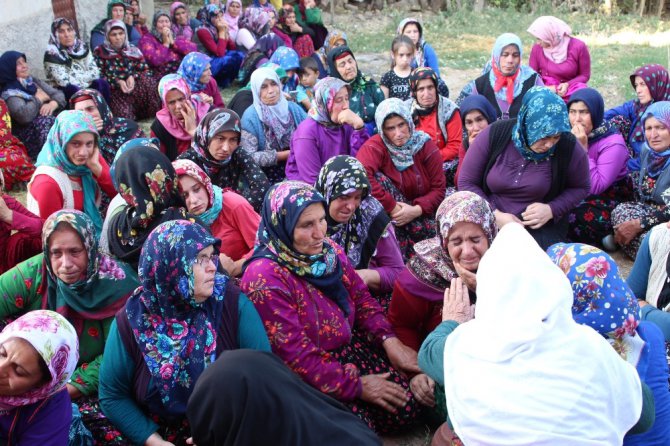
(395, 83)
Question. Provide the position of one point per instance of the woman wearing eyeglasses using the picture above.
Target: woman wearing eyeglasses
(183, 316)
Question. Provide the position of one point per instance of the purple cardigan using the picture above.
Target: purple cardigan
(387, 260)
(575, 69)
(314, 144)
(515, 182)
(607, 162)
(45, 423)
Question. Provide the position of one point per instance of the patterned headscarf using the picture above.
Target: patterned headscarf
(160, 13)
(10, 85)
(57, 344)
(216, 121)
(276, 118)
(342, 175)
(329, 43)
(57, 53)
(602, 298)
(127, 49)
(543, 113)
(596, 106)
(171, 82)
(556, 33)
(215, 193)
(176, 334)
(656, 162)
(107, 283)
(10, 143)
(419, 56)
(184, 31)
(283, 205)
(656, 78)
(432, 263)
(68, 124)
(402, 157)
(286, 57)
(191, 69)
(255, 20)
(115, 131)
(445, 106)
(324, 94)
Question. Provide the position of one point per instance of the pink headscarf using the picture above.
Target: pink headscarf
(232, 21)
(181, 31)
(172, 125)
(555, 32)
(56, 342)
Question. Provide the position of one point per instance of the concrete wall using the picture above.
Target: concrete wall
(25, 25)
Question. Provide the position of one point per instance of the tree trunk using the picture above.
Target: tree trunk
(642, 7)
(661, 8)
(479, 5)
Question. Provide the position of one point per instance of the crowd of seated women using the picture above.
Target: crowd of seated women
(337, 261)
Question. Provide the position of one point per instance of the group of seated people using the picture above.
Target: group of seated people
(329, 271)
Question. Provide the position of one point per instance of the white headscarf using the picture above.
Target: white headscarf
(523, 372)
(276, 117)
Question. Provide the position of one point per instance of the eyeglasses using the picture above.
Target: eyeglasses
(203, 260)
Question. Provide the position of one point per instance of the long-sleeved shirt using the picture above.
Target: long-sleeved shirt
(575, 69)
(162, 59)
(515, 182)
(312, 144)
(80, 73)
(23, 111)
(387, 260)
(304, 325)
(627, 110)
(431, 353)
(22, 219)
(215, 48)
(45, 422)
(236, 226)
(422, 183)
(117, 372)
(454, 129)
(607, 162)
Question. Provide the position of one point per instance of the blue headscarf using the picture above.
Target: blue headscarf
(596, 105)
(543, 113)
(286, 57)
(480, 103)
(523, 71)
(10, 85)
(656, 162)
(176, 334)
(192, 67)
(282, 207)
(68, 124)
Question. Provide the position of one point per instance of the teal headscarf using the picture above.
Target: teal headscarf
(543, 113)
(70, 123)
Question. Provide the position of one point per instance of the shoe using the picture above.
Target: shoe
(609, 244)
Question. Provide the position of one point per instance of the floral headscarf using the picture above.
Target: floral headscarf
(276, 118)
(127, 49)
(183, 31)
(445, 106)
(329, 43)
(343, 175)
(656, 162)
(115, 131)
(402, 157)
(602, 298)
(419, 56)
(191, 69)
(10, 85)
(103, 291)
(556, 33)
(255, 20)
(56, 341)
(283, 205)
(57, 53)
(286, 57)
(543, 113)
(324, 94)
(656, 78)
(176, 334)
(216, 121)
(171, 82)
(68, 124)
(215, 193)
(432, 263)
(20, 171)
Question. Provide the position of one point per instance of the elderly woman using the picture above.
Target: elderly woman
(632, 220)
(69, 63)
(563, 61)
(334, 39)
(651, 84)
(215, 150)
(506, 82)
(228, 215)
(176, 122)
(438, 116)
(253, 24)
(38, 353)
(16, 165)
(72, 278)
(366, 94)
(358, 223)
(33, 104)
(331, 129)
(151, 365)
(311, 301)
(607, 153)
(267, 127)
(196, 69)
(116, 10)
(532, 360)
(214, 36)
(133, 84)
(182, 24)
(113, 131)
(596, 283)
(294, 35)
(70, 172)
(162, 50)
(404, 168)
(532, 167)
(476, 114)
